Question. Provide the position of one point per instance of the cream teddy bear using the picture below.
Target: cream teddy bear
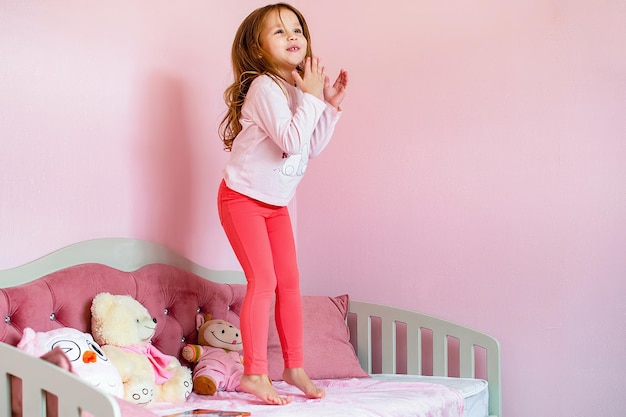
(124, 328)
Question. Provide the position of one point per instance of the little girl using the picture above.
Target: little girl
(282, 110)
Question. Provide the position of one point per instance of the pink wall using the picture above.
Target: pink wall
(478, 173)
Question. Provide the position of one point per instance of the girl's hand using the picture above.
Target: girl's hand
(314, 78)
(334, 94)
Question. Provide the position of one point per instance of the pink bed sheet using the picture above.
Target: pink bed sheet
(348, 397)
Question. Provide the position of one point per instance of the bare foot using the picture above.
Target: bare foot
(261, 387)
(299, 379)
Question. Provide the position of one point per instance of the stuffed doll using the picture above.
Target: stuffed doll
(217, 357)
(86, 359)
(124, 329)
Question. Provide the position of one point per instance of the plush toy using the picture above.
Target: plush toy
(124, 329)
(86, 358)
(217, 357)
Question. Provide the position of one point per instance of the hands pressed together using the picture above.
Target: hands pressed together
(316, 82)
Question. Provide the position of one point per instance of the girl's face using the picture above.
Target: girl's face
(283, 39)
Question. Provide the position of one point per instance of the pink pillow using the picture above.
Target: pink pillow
(328, 352)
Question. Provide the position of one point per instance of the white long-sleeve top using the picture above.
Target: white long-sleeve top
(282, 128)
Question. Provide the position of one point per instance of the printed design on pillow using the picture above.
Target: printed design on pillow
(328, 352)
(87, 360)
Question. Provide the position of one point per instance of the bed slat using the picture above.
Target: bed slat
(413, 351)
(440, 352)
(388, 346)
(467, 367)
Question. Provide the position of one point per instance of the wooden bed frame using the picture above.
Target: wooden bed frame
(126, 254)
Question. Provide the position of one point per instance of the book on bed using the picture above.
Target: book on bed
(202, 412)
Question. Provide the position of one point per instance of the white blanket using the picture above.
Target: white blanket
(349, 397)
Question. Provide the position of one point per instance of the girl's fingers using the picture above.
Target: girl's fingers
(320, 67)
(313, 65)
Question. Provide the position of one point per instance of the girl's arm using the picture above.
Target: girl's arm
(324, 130)
(334, 95)
(271, 112)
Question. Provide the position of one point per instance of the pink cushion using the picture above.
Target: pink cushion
(327, 349)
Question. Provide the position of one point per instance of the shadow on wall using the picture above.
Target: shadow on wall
(162, 170)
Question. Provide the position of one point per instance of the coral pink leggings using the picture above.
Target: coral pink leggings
(262, 239)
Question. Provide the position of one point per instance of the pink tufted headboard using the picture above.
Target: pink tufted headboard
(172, 295)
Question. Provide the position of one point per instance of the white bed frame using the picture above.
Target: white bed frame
(126, 254)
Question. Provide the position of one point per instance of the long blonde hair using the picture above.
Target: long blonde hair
(249, 60)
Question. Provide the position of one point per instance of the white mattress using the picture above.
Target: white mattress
(364, 397)
(474, 391)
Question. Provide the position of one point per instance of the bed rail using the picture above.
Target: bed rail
(389, 319)
(39, 377)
